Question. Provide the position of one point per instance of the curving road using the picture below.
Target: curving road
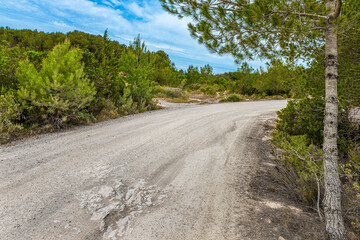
(169, 174)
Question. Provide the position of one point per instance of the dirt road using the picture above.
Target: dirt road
(168, 174)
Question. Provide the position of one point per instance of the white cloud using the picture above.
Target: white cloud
(116, 2)
(83, 11)
(61, 24)
(124, 37)
(108, 3)
(164, 46)
(213, 55)
(20, 5)
(136, 9)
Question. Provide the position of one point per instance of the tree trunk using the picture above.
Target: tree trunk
(334, 222)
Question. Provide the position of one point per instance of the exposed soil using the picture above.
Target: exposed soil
(279, 215)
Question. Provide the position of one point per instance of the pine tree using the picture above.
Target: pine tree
(109, 82)
(58, 91)
(137, 65)
(272, 28)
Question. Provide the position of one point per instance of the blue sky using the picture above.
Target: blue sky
(124, 19)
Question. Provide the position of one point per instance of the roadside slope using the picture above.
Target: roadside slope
(169, 174)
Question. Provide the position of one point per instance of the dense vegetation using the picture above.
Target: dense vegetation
(54, 80)
(299, 133)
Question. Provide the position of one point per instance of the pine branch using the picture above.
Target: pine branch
(222, 2)
(315, 16)
(317, 28)
(225, 9)
(337, 11)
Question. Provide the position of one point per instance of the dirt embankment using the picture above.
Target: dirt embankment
(278, 214)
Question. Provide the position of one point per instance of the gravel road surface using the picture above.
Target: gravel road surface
(169, 174)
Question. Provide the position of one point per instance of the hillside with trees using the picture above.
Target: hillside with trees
(51, 81)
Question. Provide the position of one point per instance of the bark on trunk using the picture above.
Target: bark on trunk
(334, 222)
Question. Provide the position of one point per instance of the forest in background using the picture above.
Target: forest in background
(53, 80)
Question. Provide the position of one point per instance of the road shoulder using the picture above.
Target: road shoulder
(275, 215)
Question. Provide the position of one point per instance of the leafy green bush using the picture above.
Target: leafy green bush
(167, 92)
(233, 98)
(58, 92)
(303, 117)
(166, 76)
(351, 201)
(298, 135)
(137, 65)
(108, 110)
(127, 104)
(300, 166)
(9, 114)
(9, 61)
(172, 94)
(209, 90)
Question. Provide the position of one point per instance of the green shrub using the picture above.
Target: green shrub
(233, 98)
(59, 92)
(173, 94)
(303, 117)
(300, 165)
(108, 111)
(9, 61)
(194, 86)
(127, 104)
(167, 92)
(137, 65)
(9, 115)
(209, 90)
(298, 135)
(351, 196)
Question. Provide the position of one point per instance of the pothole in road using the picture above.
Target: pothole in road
(117, 205)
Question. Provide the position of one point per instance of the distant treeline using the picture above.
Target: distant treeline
(35, 45)
(53, 80)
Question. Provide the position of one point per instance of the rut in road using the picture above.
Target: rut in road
(168, 174)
